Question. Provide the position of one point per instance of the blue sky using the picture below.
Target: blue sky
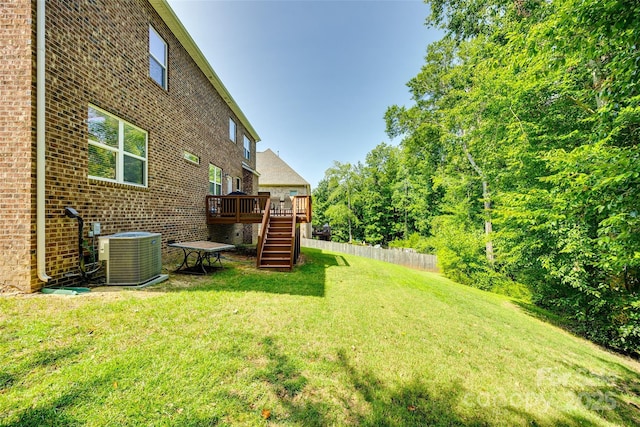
(314, 78)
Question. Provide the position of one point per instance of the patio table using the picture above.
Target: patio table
(203, 251)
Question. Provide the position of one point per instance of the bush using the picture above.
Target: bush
(614, 321)
(422, 245)
(460, 251)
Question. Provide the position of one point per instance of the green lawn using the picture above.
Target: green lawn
(341, 340)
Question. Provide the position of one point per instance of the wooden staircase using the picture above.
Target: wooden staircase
(278, 251)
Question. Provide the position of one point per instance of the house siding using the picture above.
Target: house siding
(16, 156)
(97, 54)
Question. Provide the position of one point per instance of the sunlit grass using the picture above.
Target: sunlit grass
(340, 341)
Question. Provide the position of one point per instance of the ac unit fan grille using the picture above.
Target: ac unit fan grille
(134, 260)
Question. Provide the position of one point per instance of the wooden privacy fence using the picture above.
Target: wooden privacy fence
(394, 256)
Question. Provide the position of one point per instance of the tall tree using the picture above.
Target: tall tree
(342, 181)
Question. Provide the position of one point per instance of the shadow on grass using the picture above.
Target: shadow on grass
(412, 404)
(543, 315)
(55, 412)
(416, 403)
(611, 396)
(306, 278)
(41, 359)
(286, 381)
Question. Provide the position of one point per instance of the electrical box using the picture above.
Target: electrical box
(95, 227)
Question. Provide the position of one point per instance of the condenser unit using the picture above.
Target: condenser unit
(131, 258)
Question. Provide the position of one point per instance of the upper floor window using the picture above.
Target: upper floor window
(215, 180)
(157, 58)
(232, 130)
(247, 148)
(117, 149)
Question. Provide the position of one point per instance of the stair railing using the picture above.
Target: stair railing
(293, 240)
(262, 236)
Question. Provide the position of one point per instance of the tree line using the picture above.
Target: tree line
(519, 162)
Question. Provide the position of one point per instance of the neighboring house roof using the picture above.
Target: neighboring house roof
(274, 171)
(169, 17)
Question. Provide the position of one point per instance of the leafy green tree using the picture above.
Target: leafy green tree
(320, 203)
(342, 182)
(379, 173)
(556, 93)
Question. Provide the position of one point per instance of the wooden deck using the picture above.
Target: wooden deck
(279, 240)
(249, 209)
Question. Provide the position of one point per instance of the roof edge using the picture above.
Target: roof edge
(250, 169)
(171, 19)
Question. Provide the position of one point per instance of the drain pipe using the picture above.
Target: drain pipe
(40, 144)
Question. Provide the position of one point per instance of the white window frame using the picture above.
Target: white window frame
(238, 184)
(217, 173)
(247, 148)
(152, 57)
(121, 152)
(233, 131)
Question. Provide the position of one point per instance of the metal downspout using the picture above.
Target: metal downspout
(40, 144)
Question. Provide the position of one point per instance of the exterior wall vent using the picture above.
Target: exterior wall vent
(131, 258)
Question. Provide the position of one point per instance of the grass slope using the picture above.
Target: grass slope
(340, 341)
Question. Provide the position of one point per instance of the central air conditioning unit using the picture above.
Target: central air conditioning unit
(131, 258)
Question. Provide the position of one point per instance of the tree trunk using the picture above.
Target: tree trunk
(488, 226)
(349, 215)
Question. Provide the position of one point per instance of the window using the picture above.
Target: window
(117, 149)
(247, 148)
(232, 130)
(157, 58)
(293, 193)
(215, 180)
(238, 184)
(190, 157)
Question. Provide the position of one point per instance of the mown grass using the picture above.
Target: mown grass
(340, 341)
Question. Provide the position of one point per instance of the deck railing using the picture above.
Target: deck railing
(302, 208)
(235, 209)
(250, 209)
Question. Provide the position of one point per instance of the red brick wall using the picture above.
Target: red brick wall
(97, 53)
(16, 167)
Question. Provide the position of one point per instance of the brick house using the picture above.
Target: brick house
(109, 107)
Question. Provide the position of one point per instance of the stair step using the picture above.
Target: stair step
(276, 248)
(275, 252)
(277, 267)
(277, 257)
(281, 262)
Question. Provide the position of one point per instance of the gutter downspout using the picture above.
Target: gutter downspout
(40, 144)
